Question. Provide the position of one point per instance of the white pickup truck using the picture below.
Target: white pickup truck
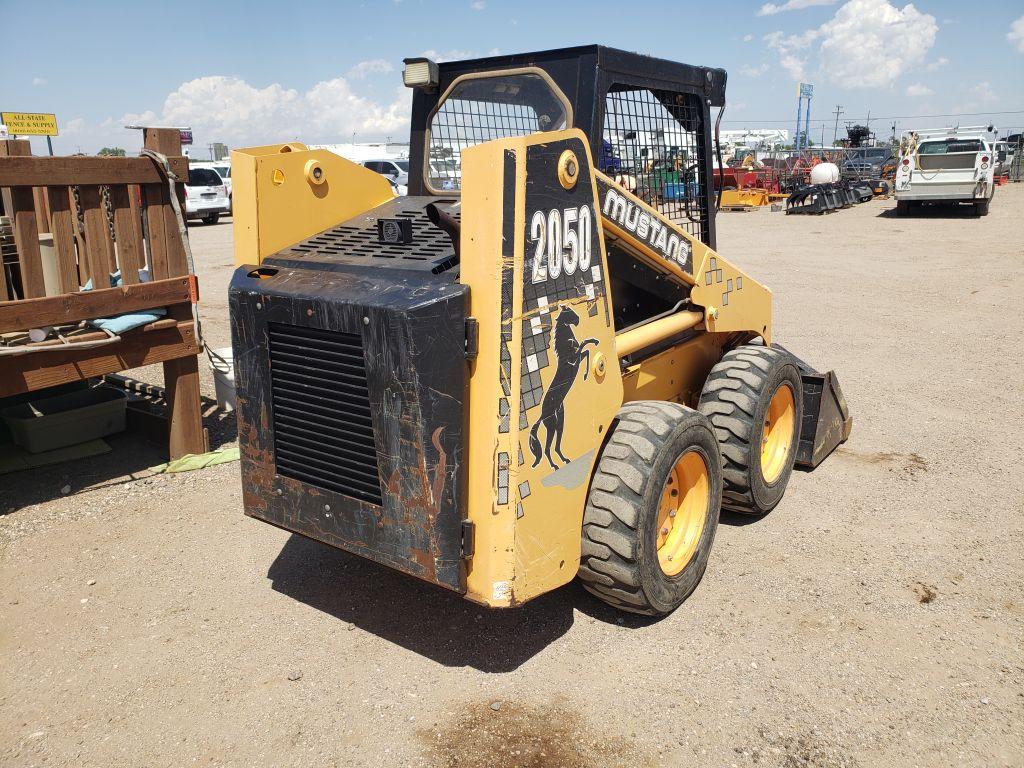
(950, 165)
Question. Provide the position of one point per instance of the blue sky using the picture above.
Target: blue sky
(251, 73)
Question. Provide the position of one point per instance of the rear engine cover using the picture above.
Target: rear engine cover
(351, 411)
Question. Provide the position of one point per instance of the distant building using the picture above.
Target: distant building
(756, 138)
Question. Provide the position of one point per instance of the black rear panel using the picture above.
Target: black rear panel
(323, 431)
(352, 379)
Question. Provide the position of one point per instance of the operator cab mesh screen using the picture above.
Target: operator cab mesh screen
(480, 109)
(652, 145)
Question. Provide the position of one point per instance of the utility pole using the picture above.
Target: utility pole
(835, 132)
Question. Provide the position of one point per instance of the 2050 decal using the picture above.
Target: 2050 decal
(562, 241)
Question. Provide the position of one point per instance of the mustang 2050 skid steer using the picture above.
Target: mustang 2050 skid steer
(535, 366)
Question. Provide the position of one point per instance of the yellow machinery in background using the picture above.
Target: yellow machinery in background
(744, 198)
(521, 373)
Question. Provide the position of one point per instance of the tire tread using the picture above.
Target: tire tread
(729, 400)
(609, 568)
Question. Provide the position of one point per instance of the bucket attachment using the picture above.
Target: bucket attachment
(863, 190)
(846, 193)
(816, 198)
(827, 422)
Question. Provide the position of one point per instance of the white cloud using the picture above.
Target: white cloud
(747, 38)
(793, 50)
(39, 81)
(453, 55)
(73, 127)
(770, 9)
(919, 89)
(1016, 34)
(363, 68)
(934, 66)
(231, 110)
(978, 98)
(478, 5)
(870, 43)
(867, 44)
(114, 124)
(749, 71)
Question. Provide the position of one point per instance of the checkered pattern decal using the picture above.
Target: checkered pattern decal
(713, 275)
(540, 308)
(503, 478)
(506, 356)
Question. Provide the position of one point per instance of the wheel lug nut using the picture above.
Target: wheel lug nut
(664, 530)
(671, 514)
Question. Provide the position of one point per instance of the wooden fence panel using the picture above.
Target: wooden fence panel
(4, 293)
(63, 225)
(68, 171)
(26, 239)
(127, 229)
(167, 141)
(102, 302)
(156, 197)
(97, 235)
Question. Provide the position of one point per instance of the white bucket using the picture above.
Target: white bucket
(222, 363)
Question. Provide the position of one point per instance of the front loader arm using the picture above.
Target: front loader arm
(730, 299)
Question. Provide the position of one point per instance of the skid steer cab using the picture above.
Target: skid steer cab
(535, 366)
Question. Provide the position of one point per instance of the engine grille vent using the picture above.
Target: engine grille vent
(323, 429)
(360, 240)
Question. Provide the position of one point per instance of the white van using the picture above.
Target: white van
(952, 165)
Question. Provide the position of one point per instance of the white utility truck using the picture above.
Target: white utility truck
(946, 165)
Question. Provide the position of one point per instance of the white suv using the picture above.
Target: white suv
(396, 170)
(206, 196)
(223, 169)
(953, 165)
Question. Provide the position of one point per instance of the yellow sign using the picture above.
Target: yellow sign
(29, 123)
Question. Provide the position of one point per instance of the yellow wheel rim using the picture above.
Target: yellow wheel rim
(684, 507)
(777, 435)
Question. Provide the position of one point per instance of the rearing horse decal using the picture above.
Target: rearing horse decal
(570, 353)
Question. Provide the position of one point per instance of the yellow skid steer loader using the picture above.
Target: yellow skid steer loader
(531, 368)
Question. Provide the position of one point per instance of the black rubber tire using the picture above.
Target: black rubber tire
(735, 398)
(902, 207)
(981, 208)
(619, 562)
(212, 218)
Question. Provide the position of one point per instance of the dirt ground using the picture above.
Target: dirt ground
(875, 618)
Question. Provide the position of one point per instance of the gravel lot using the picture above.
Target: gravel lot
(875, 618)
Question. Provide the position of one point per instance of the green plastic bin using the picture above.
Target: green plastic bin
(57, 422)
